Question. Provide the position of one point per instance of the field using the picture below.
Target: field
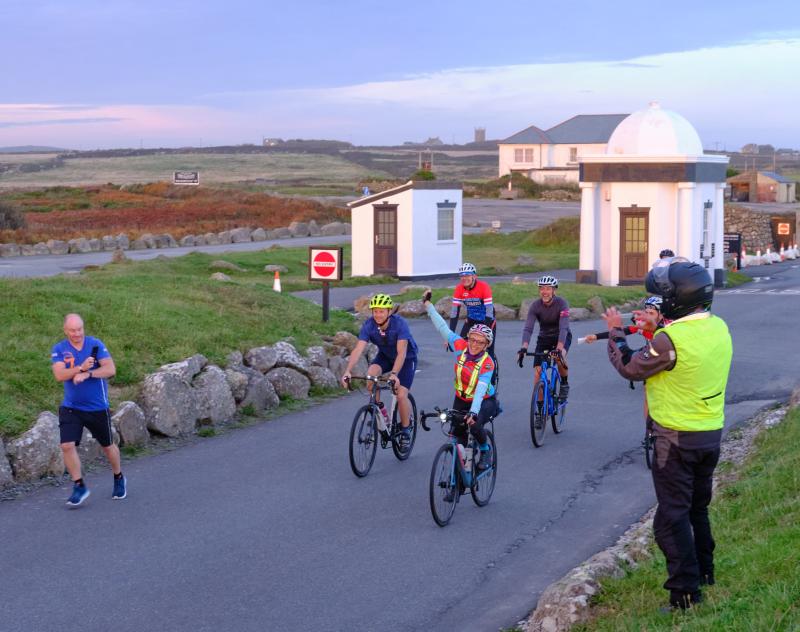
(67, 212)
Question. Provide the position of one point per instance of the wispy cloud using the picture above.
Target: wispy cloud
(63, 121)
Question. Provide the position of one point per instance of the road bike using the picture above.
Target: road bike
(369, 427)
(544, 393)
(454, 468)
(648, 443)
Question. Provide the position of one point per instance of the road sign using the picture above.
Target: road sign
(186, 177)
(732, 244)
(784, 228)
(325, 264)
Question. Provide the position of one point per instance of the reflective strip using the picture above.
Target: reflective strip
(473, 379)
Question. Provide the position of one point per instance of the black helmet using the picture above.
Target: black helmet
(684, 286)
(665, 254)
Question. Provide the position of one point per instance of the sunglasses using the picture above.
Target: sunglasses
(475, 340)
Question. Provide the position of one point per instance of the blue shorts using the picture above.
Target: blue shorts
(406, 374)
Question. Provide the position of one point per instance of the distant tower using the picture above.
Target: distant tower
(480, 134)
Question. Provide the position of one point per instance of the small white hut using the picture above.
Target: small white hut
(653, 189)
(410, 231)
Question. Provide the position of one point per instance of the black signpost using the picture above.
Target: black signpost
(733, 244)
(325, 264)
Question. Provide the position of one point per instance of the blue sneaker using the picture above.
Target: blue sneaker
(120, 488)
(79, 494)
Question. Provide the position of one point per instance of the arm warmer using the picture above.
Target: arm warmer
(440, 325)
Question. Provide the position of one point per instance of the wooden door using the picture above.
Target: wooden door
(633, 238)
(385, 239)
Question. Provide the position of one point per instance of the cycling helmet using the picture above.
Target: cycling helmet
(652, 301)
(547, 280)
(467, 268)
(381, 301)
(683, 286)
(664, 254)
(483, 330)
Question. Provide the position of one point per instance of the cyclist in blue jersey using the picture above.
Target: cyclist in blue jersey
(397, 355)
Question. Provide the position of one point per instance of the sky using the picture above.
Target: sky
(86, 74)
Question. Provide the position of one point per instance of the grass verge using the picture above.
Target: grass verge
(148, 313)
(756, 523)
(735, 279)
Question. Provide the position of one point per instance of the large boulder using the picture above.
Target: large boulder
(188, 241)
(220, 276)
(165, 241)
(9, 250)
(281, 233)
(275, 267)
(6, 475)
(37, 452)
(224, 237)
(259, 234)
(96, 245)
(237, 381)
(317, 356)
(289, 383)
(289, 357)
(345, 339)
(444, 305)
(412, 309)
(215, 402)
(361, 304)
(417, 289)
(41, 249)
(131, 425)
(137, 244)
(221, 264)
(241, 235)
(119, 256)
(261, 358)
(169, 404)
(186, 369)
(501, 312)
(149, 240)
(90, 449)
(322, 377)
(211, 239)
(337, 365)
(580, 313)
(260, 394)
(26, 250)
(596, 305)
(80, 245)
(299, 229)
(110, 242)
(334, 228)
(348, 229)
(199, 240)
(313, 229)
(524, 307)
(123, 241)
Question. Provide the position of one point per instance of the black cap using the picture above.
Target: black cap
(665, 253)
(684, 286)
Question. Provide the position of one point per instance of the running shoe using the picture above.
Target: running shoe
(79, 494)
(120, 488)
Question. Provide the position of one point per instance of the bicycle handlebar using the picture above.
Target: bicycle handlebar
(443, 414)
(380, 381)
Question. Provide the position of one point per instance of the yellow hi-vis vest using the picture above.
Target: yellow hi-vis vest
(692, 395)
(469, 392)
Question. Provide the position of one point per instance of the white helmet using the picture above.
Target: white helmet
(466, 268)
(483, 330)
(547, 280)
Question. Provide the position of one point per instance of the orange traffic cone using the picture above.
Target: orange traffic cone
(276, 284)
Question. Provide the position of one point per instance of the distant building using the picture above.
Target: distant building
(551, 156)
(272, 142)
(762, 186)
(480, 134)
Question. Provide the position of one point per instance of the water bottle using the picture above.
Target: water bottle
(381, 417)
(468, 459)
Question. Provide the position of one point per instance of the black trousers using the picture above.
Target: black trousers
(488, 409)
(682, 478)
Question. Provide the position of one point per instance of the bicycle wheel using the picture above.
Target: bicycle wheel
(444, 488)
(401, 454)
(363, 440)
(538, 419)
(648, 443)
(557, 419)
(483, 486)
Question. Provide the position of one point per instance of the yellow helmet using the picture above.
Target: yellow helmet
(381, 301)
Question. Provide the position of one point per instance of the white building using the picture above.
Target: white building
(551, 156)
(652, 189)
(410, 231)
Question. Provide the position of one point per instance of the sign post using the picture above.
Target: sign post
(733, 244)
(325, 264)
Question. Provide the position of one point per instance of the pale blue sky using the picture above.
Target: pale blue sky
(111, 73)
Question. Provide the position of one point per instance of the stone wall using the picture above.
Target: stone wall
(755, 226)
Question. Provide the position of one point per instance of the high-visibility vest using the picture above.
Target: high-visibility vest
(469, 392)
(691, 396)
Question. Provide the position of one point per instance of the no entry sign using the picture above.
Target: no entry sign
(325, 264)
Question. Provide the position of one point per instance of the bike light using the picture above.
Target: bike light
(443, 416)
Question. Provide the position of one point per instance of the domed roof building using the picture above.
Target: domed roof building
(653, 189)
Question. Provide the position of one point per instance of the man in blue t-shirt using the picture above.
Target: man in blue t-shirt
(397, 355)
(83, 365)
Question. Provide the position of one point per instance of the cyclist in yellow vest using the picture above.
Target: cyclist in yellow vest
(474, 391)
(686, 366)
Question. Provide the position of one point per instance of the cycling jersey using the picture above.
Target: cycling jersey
(553, 320)
(477, 300)
(386, 340)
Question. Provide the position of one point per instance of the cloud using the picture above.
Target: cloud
(62, 121)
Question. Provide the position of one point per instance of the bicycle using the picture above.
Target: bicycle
(369, 428)
(648, 443)
(544, 390)
(451, 476)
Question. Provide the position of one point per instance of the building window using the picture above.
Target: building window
(529, 155)
(573, 154)
(518, 155)
(446, 226)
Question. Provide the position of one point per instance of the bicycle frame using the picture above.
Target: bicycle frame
(379, 384)
(551, 379)
(452, 417)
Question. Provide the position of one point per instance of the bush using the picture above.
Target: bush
(11, 218)
(423, 174)
(730, 172)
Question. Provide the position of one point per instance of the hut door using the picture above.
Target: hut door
(633, 238)
(385, 239)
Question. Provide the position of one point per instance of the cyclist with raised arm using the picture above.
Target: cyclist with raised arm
(646, 321)
(552, 314)
(474, 391)
(397, 355)
(476, 297)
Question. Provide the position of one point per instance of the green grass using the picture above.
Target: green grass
(756, 522)
(737, 278)
(148, 313)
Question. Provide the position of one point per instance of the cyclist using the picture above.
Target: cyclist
(666, 254)
(476, 297)
(397, 355)
(646, 321)
(552, 314)
(474, 391)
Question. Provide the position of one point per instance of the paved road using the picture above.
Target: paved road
(266, 528)
(513, 215)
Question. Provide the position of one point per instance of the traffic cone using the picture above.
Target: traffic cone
(276, 284)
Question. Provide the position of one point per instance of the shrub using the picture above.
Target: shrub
(423, 174)
(11, 218)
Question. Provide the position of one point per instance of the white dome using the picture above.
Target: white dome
(655, 132)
